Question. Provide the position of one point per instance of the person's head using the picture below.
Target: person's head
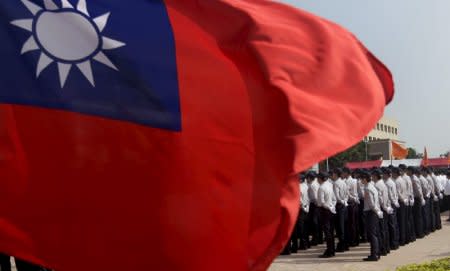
(322, 177)
(386, 173)
(356, 173)
(376, 174)
(365, 177)
(395, 172)
(409, 171)
(424, 171)
(310, 176)
(346, 172)
(301, 177)
(448, 174)
(336, 174)
(402, 168)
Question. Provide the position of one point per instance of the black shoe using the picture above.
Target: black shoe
(340, 250)
(326, 255)
(448, 220)
(371, 259)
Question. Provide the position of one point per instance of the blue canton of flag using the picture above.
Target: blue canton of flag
(115, 59)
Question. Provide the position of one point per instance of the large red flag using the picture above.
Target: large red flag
(95, 178)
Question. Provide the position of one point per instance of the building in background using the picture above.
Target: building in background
(386, 128)
(379, 140)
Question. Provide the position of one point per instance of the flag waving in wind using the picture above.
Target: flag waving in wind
(165, 135)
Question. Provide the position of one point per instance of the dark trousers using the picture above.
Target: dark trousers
(393, 229)
(352, 224)
(341, 213)
(384, 234)
(302, 230)
(426, 217)
(437, 215)
(362, 221)
(410, 228)
(401, 219)
(431, 215)
(313, 224)
(418, 219)
(5, 262)
(372, 222)
(326, 219)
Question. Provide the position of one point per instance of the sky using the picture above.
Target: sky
(412, 37)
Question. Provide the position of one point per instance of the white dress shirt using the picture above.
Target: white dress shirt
(426, 189)
(313, 189)
(371, 199)
(392, 192)
(409, 189)
(304, 198)
(417, 187)
(325, 196)
(447, 186)
(341, 191)
(352, 186)
(434, 196)
(383, 195)
(400, 183)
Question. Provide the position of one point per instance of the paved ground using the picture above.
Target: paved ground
(434, 246)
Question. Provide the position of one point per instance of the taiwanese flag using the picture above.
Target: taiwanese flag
(165, 135)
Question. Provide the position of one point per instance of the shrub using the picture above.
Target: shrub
(438, 265)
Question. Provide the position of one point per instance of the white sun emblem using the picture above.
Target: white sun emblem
(67, 36)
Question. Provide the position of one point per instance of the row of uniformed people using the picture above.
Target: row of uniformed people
(406, 204)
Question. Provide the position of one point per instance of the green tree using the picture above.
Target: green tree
(356, 153)
(412, 154)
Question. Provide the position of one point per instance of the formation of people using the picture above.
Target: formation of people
(388, 207)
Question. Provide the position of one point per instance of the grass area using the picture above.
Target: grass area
(438, 265)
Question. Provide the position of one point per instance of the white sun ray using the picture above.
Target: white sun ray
(102, 58)
(101, 21)
(29, 45)
(26, 24)
(32, 7)
(66, 4)
(63, 71)
(86, 70)
(109, 44)
(82, 7)
(50, 5)
(43, 63)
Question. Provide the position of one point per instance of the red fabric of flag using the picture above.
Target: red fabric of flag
(266, 91)
(398, 151)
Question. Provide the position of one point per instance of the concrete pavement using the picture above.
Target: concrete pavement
(434, 246)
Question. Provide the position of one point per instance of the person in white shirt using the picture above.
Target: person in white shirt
(410, 229)
(372, 214)
(314, 212)
(361, 220)
(433, 199)
(352, 234)
(426, 190)
(385, 204)
(447, 191)
(400, 184)
(392, 218)
(419, 201)
(341, 192)
(437, 199)
(302, 227)
(326, 200)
